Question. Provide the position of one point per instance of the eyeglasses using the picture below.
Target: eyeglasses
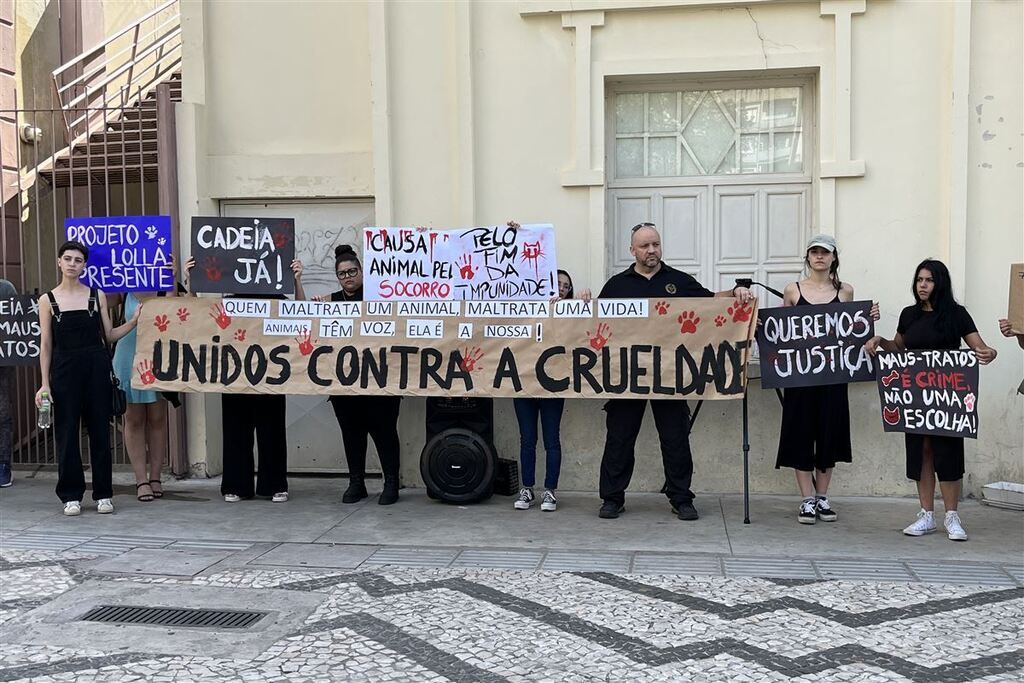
(345, 274)
(643, 225)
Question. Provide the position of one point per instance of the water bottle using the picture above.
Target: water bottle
(45, 414)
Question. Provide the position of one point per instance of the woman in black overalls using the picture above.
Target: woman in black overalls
(75, 363)
(363, 416)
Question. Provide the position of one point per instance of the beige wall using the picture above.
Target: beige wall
(454, 114)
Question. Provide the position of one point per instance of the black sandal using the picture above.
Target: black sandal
(144, 497)
(156, 494)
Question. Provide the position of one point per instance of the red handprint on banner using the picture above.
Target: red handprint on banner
(220, 316)
(161, 322)
(183, 314)
(211, 266)
(600, 337)
(740, 312)
(305, 345)
(466, 269)
(239, 335)
(688, 322)
(470, 357)
(280, 239)
(145, 369)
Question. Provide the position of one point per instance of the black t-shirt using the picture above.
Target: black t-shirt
(921, 331)
(341, 295)
(667, 282)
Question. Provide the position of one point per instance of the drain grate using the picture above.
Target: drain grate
(174, 616)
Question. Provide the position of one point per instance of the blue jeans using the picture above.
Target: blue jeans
(550, 411)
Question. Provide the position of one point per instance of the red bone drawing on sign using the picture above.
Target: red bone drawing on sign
(466, 269)
(220, 316)
(161, 322)
(890, 378)
(470, 357)
(145, 369)
(891, 415)
(688, 322)
(305, 345)
(600, 337)
(533, 253)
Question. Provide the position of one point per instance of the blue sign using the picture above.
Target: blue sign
(126, 253)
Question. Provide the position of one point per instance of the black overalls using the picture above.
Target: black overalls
(81, 390)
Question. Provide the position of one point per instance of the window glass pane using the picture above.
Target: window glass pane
(629, 158)
(661, 112)
(787, 107)
(755, 107)
(629, 113)
(709, 133)
(690, 166)
(729, 165)
(788, 153)
(754, 153)
(661, 159)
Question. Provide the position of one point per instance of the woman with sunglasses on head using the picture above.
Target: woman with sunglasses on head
(74, 330)
(935, 321)
(815, 432)
(364, 416)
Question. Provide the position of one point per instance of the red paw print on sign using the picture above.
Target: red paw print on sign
(220, 316)
(183, 314)
(161, 322)
(661, 307)
(305, 345)
(239, 335)
(720, 320)
(466, 269)
(470, 357)
(969, 400)
(600, 337)
(145, 369)
(740, 312)
(688, 322)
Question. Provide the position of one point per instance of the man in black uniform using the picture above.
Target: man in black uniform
(649, 277)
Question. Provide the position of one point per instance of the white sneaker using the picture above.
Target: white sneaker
(525, 499)
(72, 508)
(925, 524)
(954, 529)
(280, 497)
(231, 498)
(549, 503)
(104, 506)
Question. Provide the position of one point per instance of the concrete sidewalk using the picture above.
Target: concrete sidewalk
(192, 512)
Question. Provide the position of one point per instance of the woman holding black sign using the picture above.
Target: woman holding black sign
(364, 416)
(815, 431)
(935, 321)
(74, 331)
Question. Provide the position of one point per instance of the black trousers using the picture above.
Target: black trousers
(82, 392)
(243, 416)
(624, 417)
(373, 416)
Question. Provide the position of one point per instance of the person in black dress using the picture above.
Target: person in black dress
(74, 330)
(815, 431)
(364, 416)
(935, 321)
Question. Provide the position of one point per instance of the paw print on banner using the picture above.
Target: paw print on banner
(162, 241)
(305, 345)
(183, 314)
(969, 400)
(662, 307)
(688, 322)
(740, 312)
(720, 320)
(239, 335)
(470, 357)
(600, 337)
(151, 232)
(161, 322)
(145, 369)
(220, 316)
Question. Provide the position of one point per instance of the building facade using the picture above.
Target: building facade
(740, 128)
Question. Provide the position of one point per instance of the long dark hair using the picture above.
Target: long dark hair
(345, 252)
(833, 271)
(568, 277)
(941, 298)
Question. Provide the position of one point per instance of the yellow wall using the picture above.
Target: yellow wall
(452, 114)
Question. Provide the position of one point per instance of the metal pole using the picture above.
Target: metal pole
(746, 462)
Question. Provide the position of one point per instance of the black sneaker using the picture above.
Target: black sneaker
(825, 511)
(355, 492)
(808, 512)
(389, 496)
(610, 510)
(686, 512)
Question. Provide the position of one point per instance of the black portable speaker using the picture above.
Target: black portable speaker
(459, 463)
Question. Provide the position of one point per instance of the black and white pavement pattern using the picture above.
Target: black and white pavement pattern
(482, 624)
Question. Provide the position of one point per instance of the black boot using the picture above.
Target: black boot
(389, 496)
(356, 490)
